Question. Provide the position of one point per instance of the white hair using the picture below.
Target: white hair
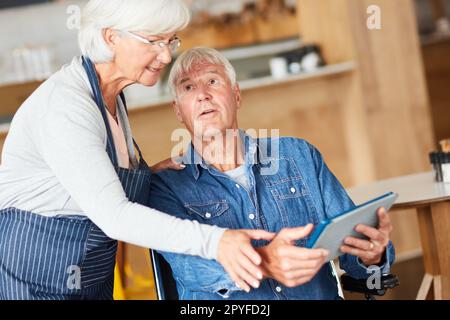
(195, 56)
(154, 17)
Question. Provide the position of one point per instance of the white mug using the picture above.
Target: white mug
(278, 67)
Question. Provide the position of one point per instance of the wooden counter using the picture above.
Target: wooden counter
(431, 200)
(13, 95)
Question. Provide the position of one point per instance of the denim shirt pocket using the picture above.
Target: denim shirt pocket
(213, 212)
(291, 196)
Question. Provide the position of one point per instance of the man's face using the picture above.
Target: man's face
(206, 102)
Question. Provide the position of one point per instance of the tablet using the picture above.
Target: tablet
(330, 234)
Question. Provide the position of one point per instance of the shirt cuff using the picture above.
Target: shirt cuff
(385, 268)
(362, 271)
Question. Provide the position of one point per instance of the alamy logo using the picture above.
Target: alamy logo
(374, 280)
(374, 19)
(74, 19)
(74, 280)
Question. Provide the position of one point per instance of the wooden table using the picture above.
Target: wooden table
(432, 202)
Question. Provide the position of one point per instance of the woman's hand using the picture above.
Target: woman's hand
(167, 164)
(238, 257)
(289, 264)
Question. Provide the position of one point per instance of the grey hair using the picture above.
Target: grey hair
(194, 56)
(154, 17)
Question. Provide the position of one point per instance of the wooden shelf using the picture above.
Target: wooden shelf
(326, 71)
(249, 84)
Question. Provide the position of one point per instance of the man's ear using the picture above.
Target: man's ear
(237, 95)
(176, 108)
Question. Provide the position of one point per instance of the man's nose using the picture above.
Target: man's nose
(203, 94)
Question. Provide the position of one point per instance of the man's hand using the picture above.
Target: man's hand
(288, 264)
(370, 251)
(240, 259)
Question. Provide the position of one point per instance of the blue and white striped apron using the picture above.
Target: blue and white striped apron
(64, 257)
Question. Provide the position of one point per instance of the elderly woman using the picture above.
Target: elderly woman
(71, 184)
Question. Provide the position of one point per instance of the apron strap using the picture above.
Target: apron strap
(122, 96)
(93, 80)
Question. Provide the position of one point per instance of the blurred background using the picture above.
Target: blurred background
(374, 101)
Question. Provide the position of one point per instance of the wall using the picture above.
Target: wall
(437, 70)
(392, 88)
(37, 25)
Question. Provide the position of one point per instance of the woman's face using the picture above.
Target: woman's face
(141, 62)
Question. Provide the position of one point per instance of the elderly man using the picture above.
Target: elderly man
(231, 181)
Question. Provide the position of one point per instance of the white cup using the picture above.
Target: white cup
(278, 67)
(310, 62)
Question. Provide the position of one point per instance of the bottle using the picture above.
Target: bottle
(445, 166)
(294, 59)
(436, 166)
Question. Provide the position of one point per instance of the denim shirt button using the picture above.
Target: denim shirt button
(238, 186)
(293, 190)
(251, 216)
(208, 215)
(278, 289)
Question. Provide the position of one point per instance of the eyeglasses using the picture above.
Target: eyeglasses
(173, 44)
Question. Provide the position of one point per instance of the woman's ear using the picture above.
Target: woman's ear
(110, 37)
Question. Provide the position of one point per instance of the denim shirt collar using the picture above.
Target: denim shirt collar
(251, 157)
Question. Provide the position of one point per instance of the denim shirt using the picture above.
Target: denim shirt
(288, 188)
